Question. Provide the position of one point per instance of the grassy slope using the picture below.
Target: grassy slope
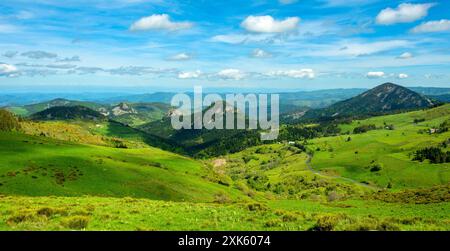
(40, 166)
(95, 213)
(390, 148)
(109, 172)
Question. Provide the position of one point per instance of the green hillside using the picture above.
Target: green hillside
(41, 166)
(390, 146)
(102, 175)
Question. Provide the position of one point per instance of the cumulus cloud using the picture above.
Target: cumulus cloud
(233, 74)
(189, 74)
(302, 73)
(402, 76)
(267, 24)
(159, 22)
(375, 74)
(432, 26)
(8, 70)
(10, 54)
(406, 55)
(39, 54)
(181, 57)
(70, 59)
(404, 13)
(259, 53)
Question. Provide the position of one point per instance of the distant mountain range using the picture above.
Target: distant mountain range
(132, 114)
(313, 99)
(385, 98)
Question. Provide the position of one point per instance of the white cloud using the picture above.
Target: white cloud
(406, 55)
(360, 49)
(404, 13)
(287, 1)
(402, 76)
(259, 53)
(234, 74)
(302, 73)
(159, 22)
(24, 15)
(7, 28)
(243, 38)
(432, 26)
(8, 70)
(71, 59)
(267, 24)
(340, 3)
(10, 54)
(181, 57)
(375, 74)
(189, 74)
(39, 54)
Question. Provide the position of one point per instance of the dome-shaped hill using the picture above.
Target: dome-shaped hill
(382, 99)
(68, 113)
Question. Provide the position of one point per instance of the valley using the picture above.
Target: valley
(71, 166)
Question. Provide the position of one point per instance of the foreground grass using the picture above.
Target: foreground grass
(96, 213)
(41, 166)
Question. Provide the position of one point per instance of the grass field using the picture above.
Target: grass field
(66, 175)
(391, 149)
(99, 213)
(41, 166)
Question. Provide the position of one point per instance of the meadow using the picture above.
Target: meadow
(72, 175)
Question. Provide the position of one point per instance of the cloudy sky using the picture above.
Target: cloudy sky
(264, 44)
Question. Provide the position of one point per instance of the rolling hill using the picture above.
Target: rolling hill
(69, 113)
(389, 147)
(61, 180)
(204, 142)
(133, 114)
(43, 166)
(385, 98)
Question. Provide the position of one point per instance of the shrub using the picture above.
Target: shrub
(375, 168)
(273, 223)
(49, 211)
(21, 216)
(327, 222)
(221, 198)
(364, 128)
(289, 217)
(256, 207)
(8, 122)
(76, 222)
(332, 196)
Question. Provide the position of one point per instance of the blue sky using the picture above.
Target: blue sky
(265, 44)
